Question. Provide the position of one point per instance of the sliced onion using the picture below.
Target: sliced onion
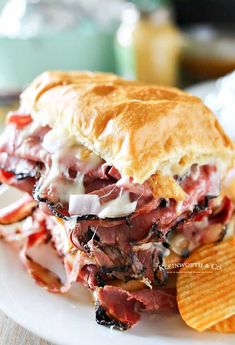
(82, 204)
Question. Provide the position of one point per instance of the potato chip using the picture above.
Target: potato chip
(206, 285)
(225, 326)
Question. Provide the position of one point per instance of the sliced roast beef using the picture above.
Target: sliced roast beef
(24, 143)
(210, 228)
(121, 309)
(18, 166)
(125, 246)
(25, 184)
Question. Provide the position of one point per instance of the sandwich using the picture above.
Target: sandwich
(122, 180)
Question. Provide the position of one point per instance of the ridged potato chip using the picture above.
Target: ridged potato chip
(225, 326)
(206, 285)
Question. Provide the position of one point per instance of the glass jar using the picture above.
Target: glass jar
(209, 52)
(148, 45)
(39, 35)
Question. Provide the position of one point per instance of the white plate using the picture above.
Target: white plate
(201, 90)
(69, 320)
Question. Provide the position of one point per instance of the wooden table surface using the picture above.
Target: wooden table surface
(13, 334)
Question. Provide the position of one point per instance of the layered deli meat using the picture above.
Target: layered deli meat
(112, 234)
(119, 182)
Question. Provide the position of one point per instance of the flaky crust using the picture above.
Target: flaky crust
(139, 129)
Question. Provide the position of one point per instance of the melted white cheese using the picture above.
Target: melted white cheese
(70, 224)
(58, 142)
(146, 246)
(55, 140)
(118, 207)
(179, 207)
(63, 188)
(123, 180)
(178, 243)
(60, 237)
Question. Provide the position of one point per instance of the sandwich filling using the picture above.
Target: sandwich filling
(116, 230)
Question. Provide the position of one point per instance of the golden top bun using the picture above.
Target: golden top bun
(139, 129)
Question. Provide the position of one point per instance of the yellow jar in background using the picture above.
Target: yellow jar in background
(148, 46)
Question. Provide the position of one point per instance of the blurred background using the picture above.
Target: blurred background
(170, 42)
